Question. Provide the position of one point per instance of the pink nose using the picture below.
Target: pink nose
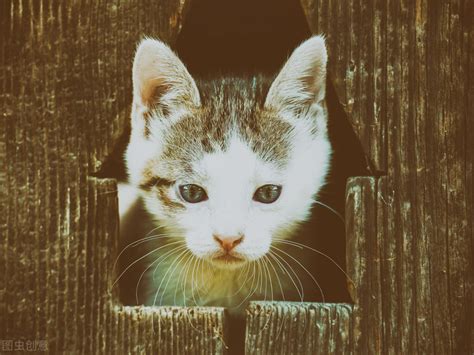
(228, 243)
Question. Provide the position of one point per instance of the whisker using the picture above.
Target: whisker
(187, 309)
(137, 242)
(275, 257)
(177, 263)
(281, 290)
(330, 209)
(240, 288)
(141, 258)
(267, 277)
(304, 268)
(193, 285)
(183, 281)
(174, 263)
(163, 257)
(262, 280)
(267, 272)
(300, 245)
(204, 284)
(252, 289)
(185, 278)
(242, 270)
(277, 276)
(191, 262)
(154, 229)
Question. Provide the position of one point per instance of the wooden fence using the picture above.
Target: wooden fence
(403, 72)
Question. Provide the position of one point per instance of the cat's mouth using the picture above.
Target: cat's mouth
(228, 259)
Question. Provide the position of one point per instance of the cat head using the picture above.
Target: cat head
(228, 164)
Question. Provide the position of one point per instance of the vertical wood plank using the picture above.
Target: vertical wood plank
(363, 263)
(419, 55)
(355, 37)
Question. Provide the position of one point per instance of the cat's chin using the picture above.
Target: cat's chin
(228, 262)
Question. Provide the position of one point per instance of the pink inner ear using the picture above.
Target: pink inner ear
(310, 83)
(157, 72)
(152, 90)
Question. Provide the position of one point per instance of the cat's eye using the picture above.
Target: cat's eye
(192, 193)
(267, 193)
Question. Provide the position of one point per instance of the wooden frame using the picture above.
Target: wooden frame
(403, 72)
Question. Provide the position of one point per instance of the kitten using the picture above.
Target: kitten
(228, 169)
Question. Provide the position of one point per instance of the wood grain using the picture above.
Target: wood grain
(357, 56)
(363, 263)
(403, 71)
(298, 328)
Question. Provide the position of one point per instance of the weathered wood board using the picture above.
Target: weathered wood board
(298, 328)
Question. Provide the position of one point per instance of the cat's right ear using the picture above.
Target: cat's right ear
(161, 82)
(302, 80)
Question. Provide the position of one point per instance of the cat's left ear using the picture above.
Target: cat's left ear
(160, 79)
(302, 80)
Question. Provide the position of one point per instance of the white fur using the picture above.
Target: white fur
(231, 178)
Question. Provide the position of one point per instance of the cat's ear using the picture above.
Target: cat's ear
(302, 80)
(160, 79)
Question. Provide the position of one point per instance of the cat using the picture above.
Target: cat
(222, 174)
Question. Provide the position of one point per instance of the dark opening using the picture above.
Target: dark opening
(240, 36)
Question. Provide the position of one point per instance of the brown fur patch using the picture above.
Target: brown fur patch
(151, 181)
(150, 178)
(149, 184)
(166, 201)
(230, 105)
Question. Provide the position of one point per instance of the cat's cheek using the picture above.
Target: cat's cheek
(198, 247)
(195, 223)
(270, 217)
(257, 237)
(199, 242)
(153, 205)
(194, 216)
(281, 222)
(298, 208)
(255, 246)
(300, 194)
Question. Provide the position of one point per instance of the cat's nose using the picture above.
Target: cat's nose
(228, 243)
